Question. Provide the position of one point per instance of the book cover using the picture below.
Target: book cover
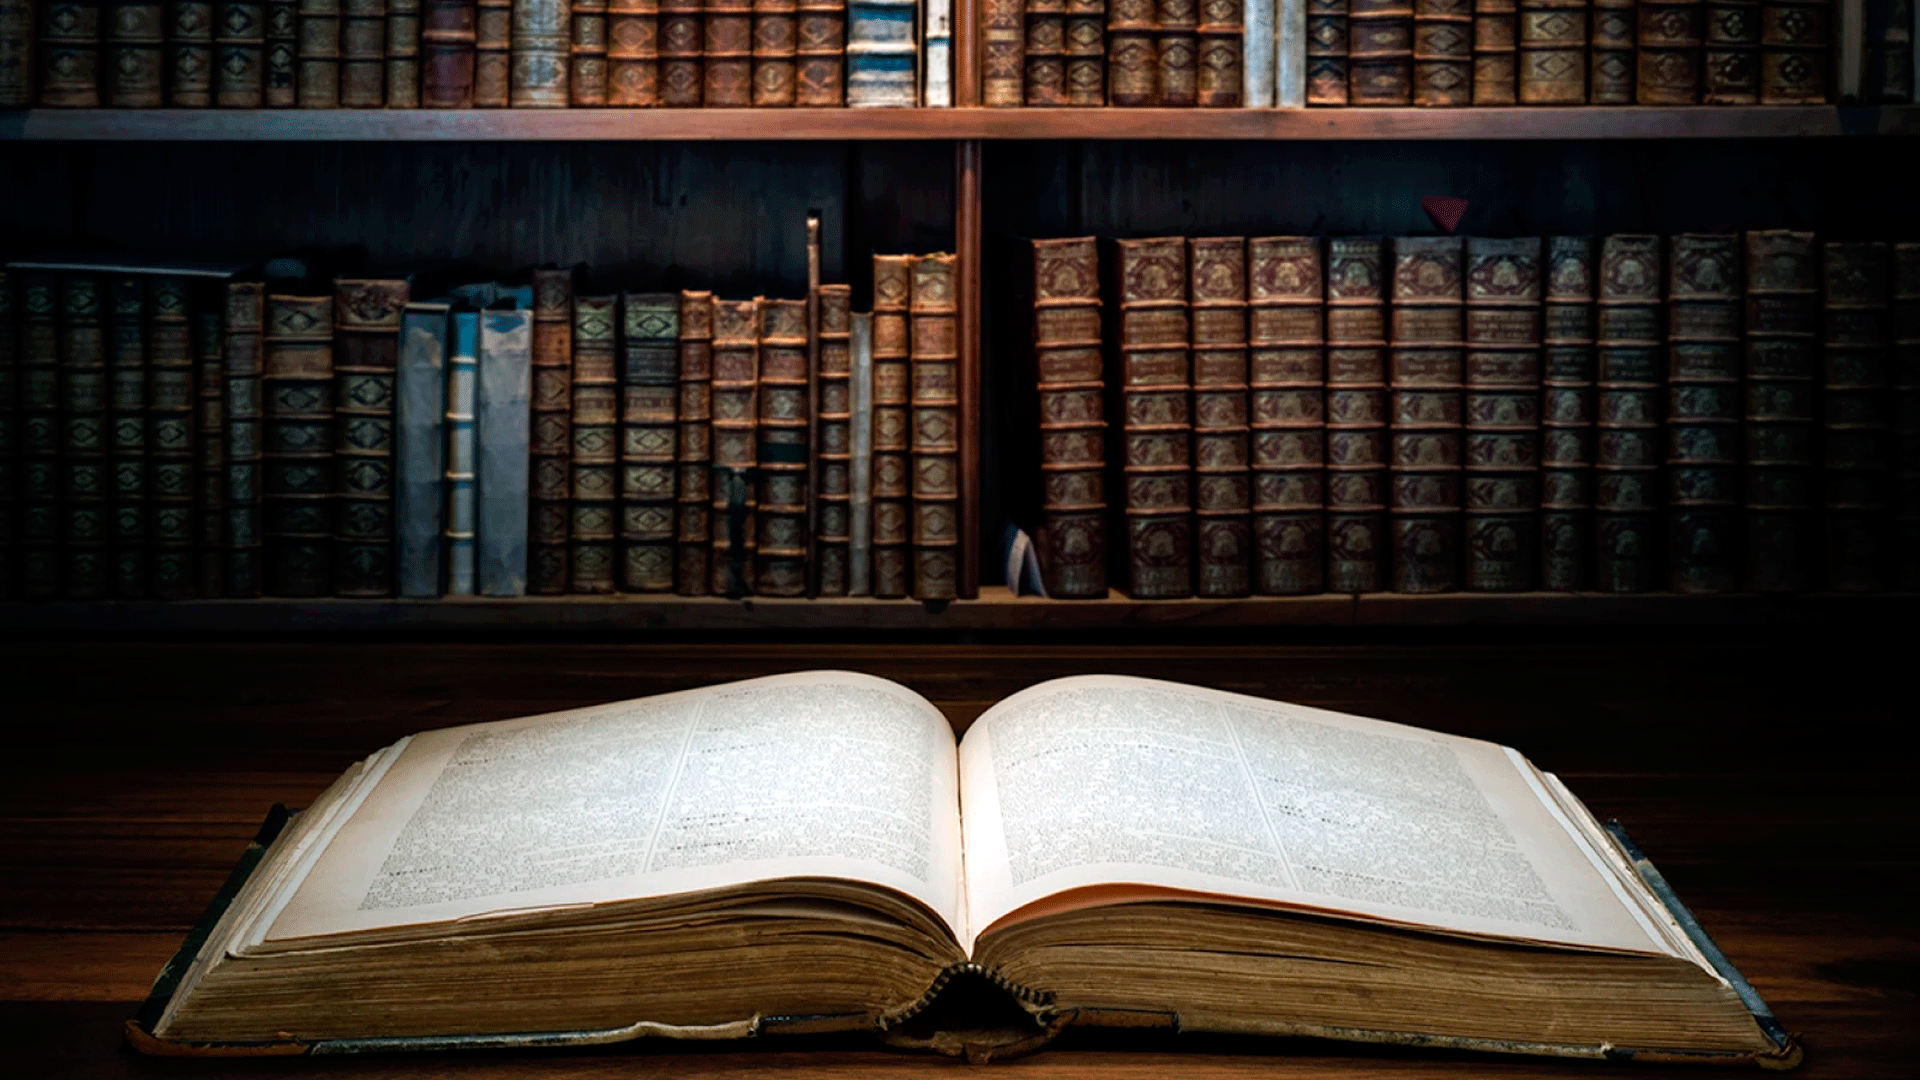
(126, 437)
(240, 47)
(1223, 536)
(363, 54)
(682, 47)
(693, 527)
(1611, 62)
(16, 54)
(1703, 412)
(245, 407)
(1326, 51)
(1002, 52)
(189, 59)
(1496, 34)
(820, 78)
(1501, 490)
(587, 55)
(69, 54)
(736, 444)
(935, 420)
(1071, 388)
(539, 54)
(171, 401)
(1442, 52)
(594, 487)
(1782, 365)
(1630, 372)
(282, 54)
(1669, 57)
(936, 60)
(633, 53)
(892, 350)
(1176, 44)
(297, 388)
(1730, 64)
(1044, 54)
(1890, 51)
(649, 439)
(1288, 412)
(729, 53)
(1553, 52)
(1426, 372)
(781, 458)
(550, 472)
(402, 49)
(366, 348)
(860, 460)
(463, 452)
(1380, 52)
(881, 56)
(492, 57)
(1856, 424)
(1220, 55)
(1566, 414)
(1133, 54)
(209, 449)
(316, 81)
(41, 435)
(835, 445)
(135, 67)
(502, 421)
(447, 43)
(1356, 409)
(1156, 433)
(775, 45)
(420, 444)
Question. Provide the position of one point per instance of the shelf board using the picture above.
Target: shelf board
(368, 125)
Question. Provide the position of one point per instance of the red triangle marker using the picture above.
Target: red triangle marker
(1445, 210)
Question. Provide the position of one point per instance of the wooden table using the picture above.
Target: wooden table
(1766, 781)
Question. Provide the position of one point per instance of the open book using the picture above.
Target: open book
(813, 852)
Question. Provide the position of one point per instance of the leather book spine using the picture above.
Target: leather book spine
(502, 417)
(245, 408)
(1223, 499)
(363, 54)
(240, 45)
(420, 449)
(649, 439)
(1002, 63)
(1794, 52)
(463, 454)
(729, 53)
(633, 53)
(693, 529)
(1629, 372)
(1610, 53)
(1501, 496)
(1856, 421)
(550, 470)
(402, 49)
(70, 54)
(209, 445)
(447, 43)
(541, 41)
(297, 385)
(1906, 411)
(41, 435)
(892, 400)
(492, 53)
(775, 46)
(1782, 366)
(1086, 47)
(1496, 35)
(1424, 444)
(934, 420)
(682, 44)
(366, 360)
(1442, 52)
(1176, 40)
(1730, 64)
(1045, 52)
(282, 54)
(84, 464)
(593, 445)
(835, 456)
(1380, 52)
(1703, 412)
(317, 68)
(1356, 408)
(1553, 52)
(936, 49)
(1156, 381)
(821, 75)
(171, 468)
(1220, 58)
(880, 54)
(1566, 414)
(736, 414)
(1890, 52)
(780, 554)
(860, 465)
(587, 52)
(126, 436)
(189, 78)
(1287, 411)
(1669, 57)
(1326, 52)
(135, 65)
(1071, 387)
(16, 65)
(1133, 53)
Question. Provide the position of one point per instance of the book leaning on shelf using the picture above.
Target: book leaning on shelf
(587, 876)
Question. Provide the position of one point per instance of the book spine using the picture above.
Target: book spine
(83, 439)
(820, 51)
(835, 455)
(1224, 492)
(1220, 55)
(1553, 52)
(549, 473)
(171, 402)
(189, 65)
(1044, 52)
(16, 55)
(245, 408)
(1133, 56)
(136, 36)
(209, 447)
(775, 40)
(447, 37)
(1611, 54)
(1856, 422)
(1794, 51)
(1176, 45)
(780, 553)
(936, 61)
(587, 79)
(1289, 414)
(126, 435)
(317, 73)
(70, 54)
(492, 53)
(240, 44)
(633, 53)
(1326, 51)
(881, 54)
(1670, 54)
(860, 463)
(1257, 69)
(540, 40)
(891, 400)
(1906, 411)
(1443, 52)
(1425, 451)
(1890, 52)
(1356, 410)
(1002, 49)
(363, 54)
(1782, 364)
(503, 419)
(693, 518)
(282, 54)
(366, 356)
(594, 445)
(1380, 52)
(420, 443)
(1730, 63)
(1496, 33)
(729, 53)
(649, 439)
(1703, 412)
(736, 413)
(1085, 31)
(1566, 415)
(297, 385)
(463, 452)
(1156, 382)
(1628, 457)
(935, 426)
(1072, 389)
(402, 60)
(41, 436)
(682, 44)
(1501, 496)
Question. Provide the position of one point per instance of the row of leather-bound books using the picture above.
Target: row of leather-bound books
(449, 54)
(170, 432)
(1703, 412)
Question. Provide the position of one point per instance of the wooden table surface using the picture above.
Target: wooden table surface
(1769, 783)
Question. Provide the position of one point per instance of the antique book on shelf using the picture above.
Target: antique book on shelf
(363, 54)
(189, 61)
(539, 57)
(587, 55)
(820, 78)
(1156, 427)
(447, 40)
(1086, 31)
(1890, 51)
(1669, 39)
(892, 398)
(649, 439)
(1611, 65)
(1500, 526)
(936, 48)
(834, 452)
(69, 53)
(1856, 428)
(1133, 67)
(1782, 365)
(297, 462)
(1442, 52)
(780, 515)
(1257, 62)
(633, 53)
(502, 418)
(729, 53)
(135, 38)
(366, 355)
(84, 465)
(125, 433)
(1553, 52)
(682, 45)
(1730, 64)
(1566, 415)
(317, 67)
(1287, 411)
(935, 426)
(736, 414)
(693, 529)
(1794, 43)
(1356, 409)
(492, 59)
(1176, 25)
(170, 430)
(1326, 52)
(1426, 367)
(1219, 56)
(282, 54)
(1630, 370)
(245, 408)
(463, 452)
(37, 487)
(1002, 47)
(1703, 412)
(420, 447)
(775, 41)
(550, 472)
(1223, 501)
(1380, 52)
(16, 69)
(881, 55)
(1906, 412)
(402, 62)
(1044, 55)
(209, 448)
(860, 463)
(1019, 862)
(240, 43)
(1071, 387)
(594, 444)
(1495, 36)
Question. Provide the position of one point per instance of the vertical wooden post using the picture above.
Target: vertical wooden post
(813, 404)
(966, 238)
(966, 53)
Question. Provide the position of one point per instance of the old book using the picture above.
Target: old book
(41, 435)
(820, 78)
(209, 442)
(1500, 527)
(1703, 412)
(1442, 52)
(1856, 423)
(587, 54)
(1730, 63)
(550, 470)
(1326, 52)
(834, 453)
(363, 54)
(1224, 502)
(1095, 900)
(860, 462)
(682, 45)
(729, 53)
(1890, 51)
(593, 490)
(189, 62)
(881, 56)
(1380, 52)
(463, 453)
(245, 408)
(1553, 52)
(1068, 355)
(1794, 42)
(1156, 428)
(1176, 26)
(936, 48)
(317, 63)
(366, 355)
(240, 42)
(420, 447)
(69, 54)
(1566, 415)
(1611, 70)
(298, 463)
(633, 53)
(16, 60)
(1044, 54)
(492, 57)
(736, 415)
(125, 434)
(775, 41)
(693, 529)
(539, 55)
(1782, 368)
(1260, 68)
(780, 513)
(1630, 376)
(1424, 447)
(1356, 408)
(282, 54)
(935, 423)
(170, 518)
(1219, 56)
(649, 439)
(447, 39)
(1002, 60)
(892, 398)
(1906, 411)
(502, 421)
(85, 572)
(1133, 53)
(1287, 414)
(1669, 57)
(402, 61)
(136, 32)
(1086, 31)
(1496, 34)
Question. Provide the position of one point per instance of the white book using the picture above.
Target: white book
(420, 419)
(1290, 54)
(1852, 56)
(937, 62)
(463, 389)
(505, 423)
(1257, 62)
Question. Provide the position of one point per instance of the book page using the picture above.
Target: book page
(1105, 780)
(820, 774)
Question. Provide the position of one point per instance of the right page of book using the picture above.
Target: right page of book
(1097, 782)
